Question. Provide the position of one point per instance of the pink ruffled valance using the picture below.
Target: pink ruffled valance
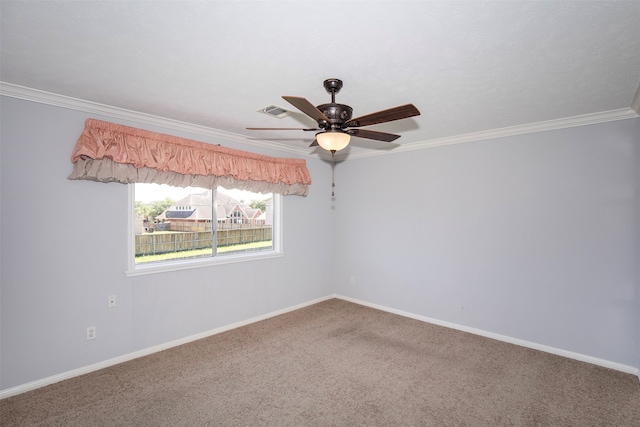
(108, 152)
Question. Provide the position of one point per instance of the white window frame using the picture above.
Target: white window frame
(134, 269)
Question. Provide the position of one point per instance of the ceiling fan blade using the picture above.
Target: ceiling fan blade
(396, 113)
(314, 143)
(306, 107)
(306, 130)
(372, 134)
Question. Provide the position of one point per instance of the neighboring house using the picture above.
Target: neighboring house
(194, 213)
(231, 211)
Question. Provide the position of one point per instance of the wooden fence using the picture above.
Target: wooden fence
(158, 243)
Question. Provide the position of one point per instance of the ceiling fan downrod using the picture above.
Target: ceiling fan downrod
(333, 86)
(338, 114)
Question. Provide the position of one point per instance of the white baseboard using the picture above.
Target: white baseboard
(547, 349)
(147, 351)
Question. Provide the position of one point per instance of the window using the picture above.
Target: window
(175, 228)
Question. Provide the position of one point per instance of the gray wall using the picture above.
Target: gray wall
(51, 294)
(533, 237)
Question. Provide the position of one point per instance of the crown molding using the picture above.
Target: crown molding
(48, 98)
(583, 120)
(35, 95)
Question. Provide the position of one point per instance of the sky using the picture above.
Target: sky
(147, 193)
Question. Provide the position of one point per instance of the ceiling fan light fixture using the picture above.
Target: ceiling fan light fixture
(333, 140)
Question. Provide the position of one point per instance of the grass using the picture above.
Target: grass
(198, 253)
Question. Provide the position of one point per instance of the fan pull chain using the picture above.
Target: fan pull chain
(333, 167)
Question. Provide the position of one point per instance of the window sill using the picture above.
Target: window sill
(164, 267)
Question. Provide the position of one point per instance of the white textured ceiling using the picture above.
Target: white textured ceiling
(468, 66)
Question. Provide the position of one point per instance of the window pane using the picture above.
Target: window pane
(173, 224)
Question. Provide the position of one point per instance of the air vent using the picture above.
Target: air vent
(274, 111)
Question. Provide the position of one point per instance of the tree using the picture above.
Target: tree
(142, 209)
(258, 204)
(153, 209)
(160, 206)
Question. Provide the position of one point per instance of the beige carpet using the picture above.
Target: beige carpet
(337, 364)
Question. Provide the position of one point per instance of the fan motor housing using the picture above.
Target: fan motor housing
(337, 114)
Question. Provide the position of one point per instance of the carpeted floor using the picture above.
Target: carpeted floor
(337, 364)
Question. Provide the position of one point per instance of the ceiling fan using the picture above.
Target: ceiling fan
(335, 125)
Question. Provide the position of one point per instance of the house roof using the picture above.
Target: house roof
(176, 214)
(198, 207)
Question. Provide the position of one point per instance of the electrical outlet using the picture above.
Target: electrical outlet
(91, 333)
(353, 280)
(111, 301)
